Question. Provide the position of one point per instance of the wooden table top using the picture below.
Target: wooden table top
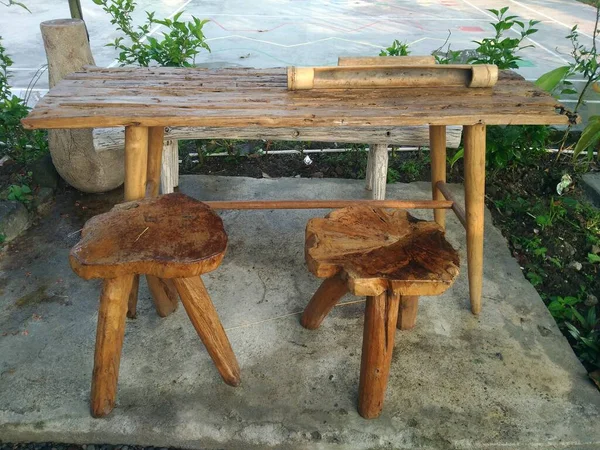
(99, 97)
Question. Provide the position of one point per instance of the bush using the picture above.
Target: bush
(179, 45)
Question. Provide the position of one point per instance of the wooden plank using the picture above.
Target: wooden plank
(178, 97)
(112, 138)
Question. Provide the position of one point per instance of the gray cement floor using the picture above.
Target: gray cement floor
(507, 379)
(276, 33)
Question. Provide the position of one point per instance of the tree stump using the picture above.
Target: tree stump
(73, 154)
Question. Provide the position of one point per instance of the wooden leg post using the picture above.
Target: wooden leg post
(369, 171)
(109, 340)
(133, 298)
(204, 317)
(329, 293)
(407, 312)
(437, 144)
(164, 295)
(155, 153)
(474, 141)
(381, 315)
(378, 170)
(136, 163)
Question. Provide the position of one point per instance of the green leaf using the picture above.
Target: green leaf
(592, 258)
(589, 136)
(550, 80)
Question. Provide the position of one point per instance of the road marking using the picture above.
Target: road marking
(550, 18)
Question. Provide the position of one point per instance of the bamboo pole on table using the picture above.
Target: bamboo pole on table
(433, 75)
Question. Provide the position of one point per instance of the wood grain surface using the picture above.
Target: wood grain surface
(381, 250)
(98, 97)
(169, 236)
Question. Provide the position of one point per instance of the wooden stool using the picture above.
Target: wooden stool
(388, 256)
(173, 239)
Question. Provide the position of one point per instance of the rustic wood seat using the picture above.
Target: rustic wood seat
(172, 236)
(172, 239)
(388, 256)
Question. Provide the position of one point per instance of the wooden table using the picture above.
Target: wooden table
(146, 100)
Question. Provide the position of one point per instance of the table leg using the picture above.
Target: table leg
(136, 161)
(156, 137)
(437, 144)
(163, 293)
(474, 141)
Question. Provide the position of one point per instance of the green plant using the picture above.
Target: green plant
(515, 144)
(20, 193)
(534, 277)
(511, 145)
(500, 49)
(445, 55)
(586, 65)
(554, 212)
(586, 334)
(12, 2)
(20, 144)
(179, 44)
(562, 308)
(393, 176)
(396, 49)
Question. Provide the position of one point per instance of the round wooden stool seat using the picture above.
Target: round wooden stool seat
(171, 236)
(388, 256)
(377, 250)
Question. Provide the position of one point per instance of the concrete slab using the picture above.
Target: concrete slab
(507, 379)
(591, 185)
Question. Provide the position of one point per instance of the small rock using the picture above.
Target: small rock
(43, 199)
(595, 249)
(575, 265)
(317, 175)
(591, 300)
(14, 219)
(43, 172)
(316, 435)
(569, 249)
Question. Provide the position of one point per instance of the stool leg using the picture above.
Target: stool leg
(378, 344)
(203, 315)
(109, 340)
(164, 295)
(133, 298)
(326, 297)
(407, 313)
